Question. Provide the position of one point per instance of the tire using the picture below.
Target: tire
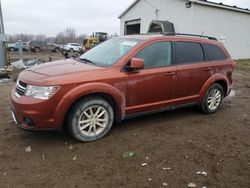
(71, 50)
(57, 50)
(12, 49)
(213, 99)
(37, 49)
(90, 129)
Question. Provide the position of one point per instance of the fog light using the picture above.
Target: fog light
(27, 121)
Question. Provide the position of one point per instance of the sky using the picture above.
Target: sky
(53, 16)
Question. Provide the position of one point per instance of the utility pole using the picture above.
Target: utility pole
(3, 58)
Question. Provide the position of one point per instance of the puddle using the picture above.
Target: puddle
(4, 80)
(232, 94)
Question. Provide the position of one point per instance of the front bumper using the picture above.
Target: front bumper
(33, 114)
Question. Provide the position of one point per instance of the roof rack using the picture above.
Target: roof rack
(192, 35)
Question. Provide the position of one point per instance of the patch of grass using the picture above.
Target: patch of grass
(243, 64)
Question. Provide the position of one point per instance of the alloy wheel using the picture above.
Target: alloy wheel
(93, 120)
(214, 99)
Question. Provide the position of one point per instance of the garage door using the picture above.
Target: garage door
(133, 27)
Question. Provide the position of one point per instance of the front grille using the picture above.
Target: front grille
(20, 87)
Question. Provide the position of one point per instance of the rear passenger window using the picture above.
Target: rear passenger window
(156, 55)
(214, 52)
(188, 52)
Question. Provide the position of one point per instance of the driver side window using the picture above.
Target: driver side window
(156, 55)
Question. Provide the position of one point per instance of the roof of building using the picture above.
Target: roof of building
(201, 2)
(221, 5)
(128, 8)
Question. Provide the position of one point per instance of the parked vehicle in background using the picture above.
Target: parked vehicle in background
(72, 47)
(122, 78)
(14, 46)
(37, 46)
(54, 47)
(94, 40)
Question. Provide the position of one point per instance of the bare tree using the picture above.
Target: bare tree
(40, 37)
(69, 35)
(60, 38)
(66, 36)
(22, 37)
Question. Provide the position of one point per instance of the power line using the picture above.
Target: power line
(151, 5)
(156, 9)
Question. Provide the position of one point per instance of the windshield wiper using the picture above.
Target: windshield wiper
(88, 61)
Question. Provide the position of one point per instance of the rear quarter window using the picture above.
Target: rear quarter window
(188, 52)
(214, 52)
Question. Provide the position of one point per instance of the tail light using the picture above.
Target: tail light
(234, 65)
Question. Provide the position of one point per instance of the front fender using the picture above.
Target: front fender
(211, 81)
(85, 89)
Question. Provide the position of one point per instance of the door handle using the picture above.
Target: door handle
(169, 74)
(207, 69)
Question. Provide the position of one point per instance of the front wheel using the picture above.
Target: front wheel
(90, 119)
(213, 99)
(57, 50)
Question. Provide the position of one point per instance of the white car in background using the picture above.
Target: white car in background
(73, 47)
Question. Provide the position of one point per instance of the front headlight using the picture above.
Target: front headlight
(41, 92)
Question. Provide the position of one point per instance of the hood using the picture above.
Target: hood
(56, 72)
(62, 67)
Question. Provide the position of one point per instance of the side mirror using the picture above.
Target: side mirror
(135, 64)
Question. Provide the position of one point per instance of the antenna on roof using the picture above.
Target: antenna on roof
(202, 33)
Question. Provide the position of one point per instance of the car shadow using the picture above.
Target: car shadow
(62, 136)
(169, 115)
(47, 136)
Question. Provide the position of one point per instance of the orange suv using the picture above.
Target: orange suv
(122, 78)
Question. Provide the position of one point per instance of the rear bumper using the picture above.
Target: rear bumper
(33, 114)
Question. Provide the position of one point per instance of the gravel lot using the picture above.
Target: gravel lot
(170, 148)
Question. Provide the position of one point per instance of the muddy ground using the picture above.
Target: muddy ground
(43, 56)
(170, 148)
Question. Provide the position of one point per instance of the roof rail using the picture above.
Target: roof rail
(192, 35)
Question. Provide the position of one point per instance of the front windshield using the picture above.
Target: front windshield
(109, 52)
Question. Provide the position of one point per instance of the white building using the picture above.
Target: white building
(229, 24)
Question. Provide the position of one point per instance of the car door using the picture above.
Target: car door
(153, 87)
(192, 71)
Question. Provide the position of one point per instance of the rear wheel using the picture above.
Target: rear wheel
(37, 49)
(90, 119)
(213, 99)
